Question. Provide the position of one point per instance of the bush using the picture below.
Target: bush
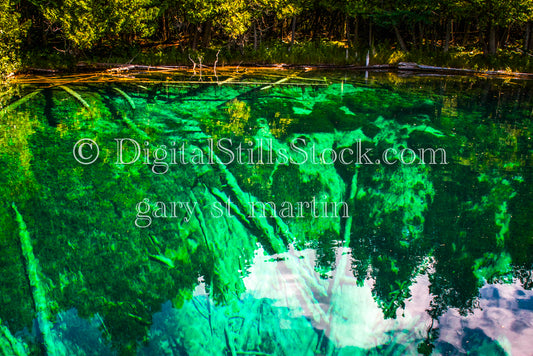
(11, 34)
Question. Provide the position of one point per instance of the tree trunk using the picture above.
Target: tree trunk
(293, 30)
(467, 32)
(370, 37)
(421, 30)
(316, 19)
(413, 34)
(331, 28)
(434, 37)
(165, 28)
(347, 36)
(530, 46)
(195, 38)
(255, 36)
(262, 23)
(317, 26)
(400, 39)
(505, 37)
(448, 36)
(493, 46)
(482, 40)
(451, 31)
(526, 36)
(207, 34)
(346, 29)
(356, 32)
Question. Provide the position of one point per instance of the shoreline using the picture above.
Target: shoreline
(405, 68)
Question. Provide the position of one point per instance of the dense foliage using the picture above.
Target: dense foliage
(67, 28)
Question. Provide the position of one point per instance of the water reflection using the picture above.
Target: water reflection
(402, 273)
(500, 323)
(343, 308)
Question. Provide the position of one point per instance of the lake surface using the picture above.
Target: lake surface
(266, 213)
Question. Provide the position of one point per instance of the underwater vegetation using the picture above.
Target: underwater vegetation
(273, 217)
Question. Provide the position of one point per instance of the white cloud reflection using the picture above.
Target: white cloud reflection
(351, 317)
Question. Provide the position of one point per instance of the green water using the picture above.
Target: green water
(325, 214)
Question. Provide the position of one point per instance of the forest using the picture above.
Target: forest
(50, 33)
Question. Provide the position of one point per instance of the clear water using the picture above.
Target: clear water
(266, 213)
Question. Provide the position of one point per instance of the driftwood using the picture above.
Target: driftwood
(411, 66)
(276, 83)
(43, 70)
(120, 69)
(416, 66)
(230, 79)
(115, 68)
